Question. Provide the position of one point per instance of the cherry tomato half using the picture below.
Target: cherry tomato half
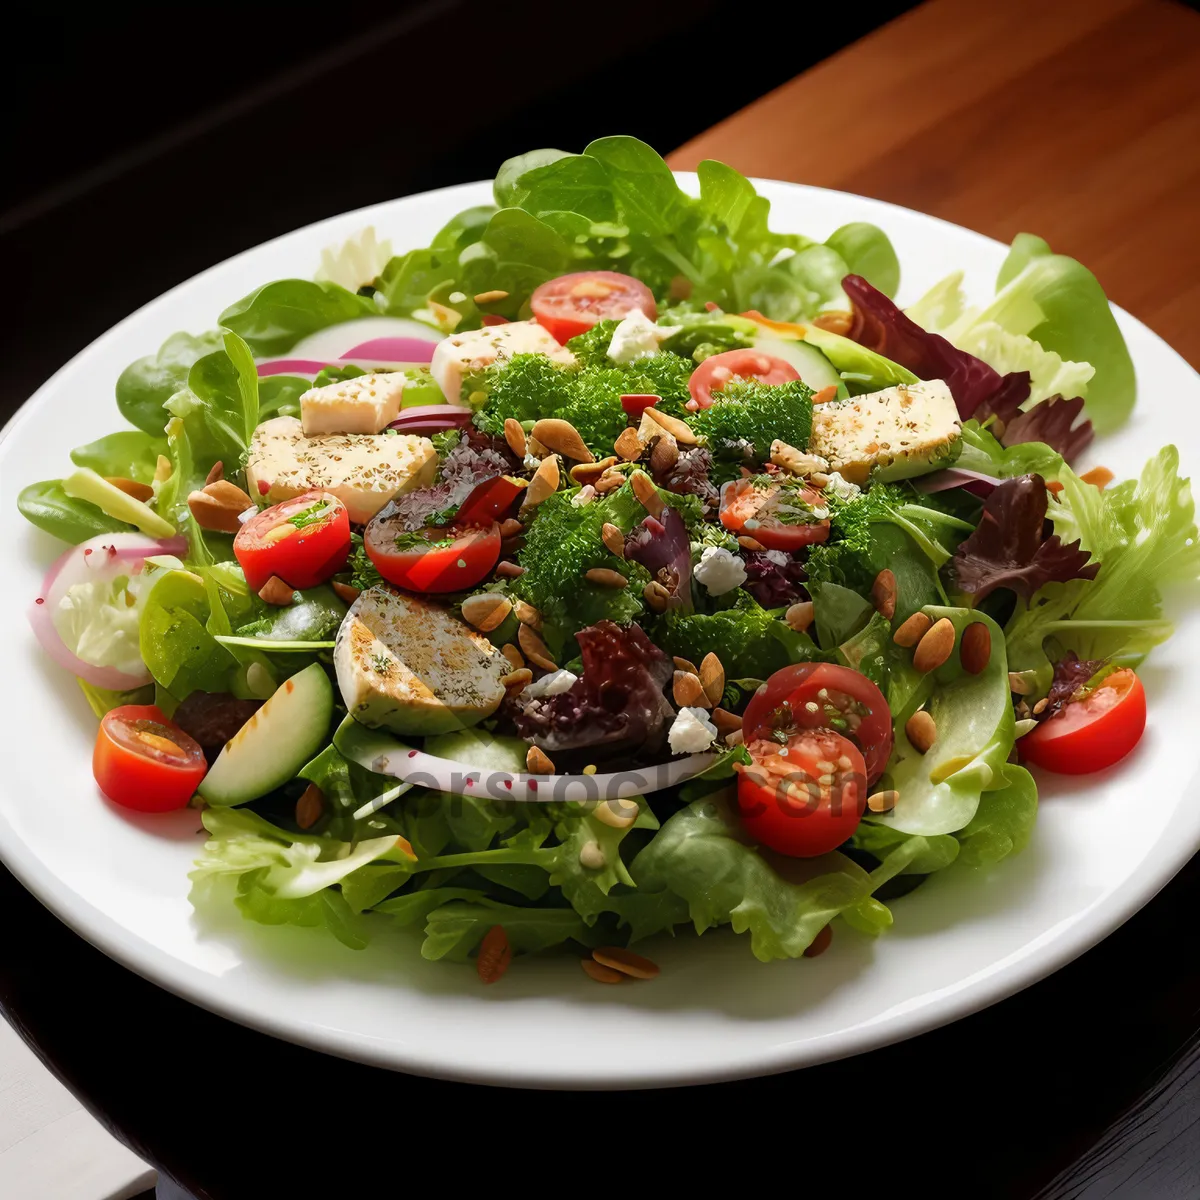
(491, 500)
(571, 304)
(824, 695)
(804, 798)
(1091, 733)
(714, 373)
(636, 403)
(432, 559)
(142, 761)
(777, 515)
(305, 541)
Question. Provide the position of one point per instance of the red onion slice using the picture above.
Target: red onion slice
(102, 557)
(432, 418)
(394, 349)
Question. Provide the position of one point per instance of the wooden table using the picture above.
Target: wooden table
(1078, 120)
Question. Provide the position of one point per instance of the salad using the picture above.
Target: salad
(612, 565)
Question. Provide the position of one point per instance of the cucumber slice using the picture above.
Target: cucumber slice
(275, 743)
(815, 369)
(480, 749)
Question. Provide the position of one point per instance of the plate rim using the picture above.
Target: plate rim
(989, 985)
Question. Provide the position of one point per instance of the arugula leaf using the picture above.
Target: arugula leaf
(274, 317)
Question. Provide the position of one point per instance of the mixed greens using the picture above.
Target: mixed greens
(609, 480)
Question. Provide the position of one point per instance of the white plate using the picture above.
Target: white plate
(1102, 848)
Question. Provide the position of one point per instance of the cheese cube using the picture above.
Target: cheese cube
(364, 470)
(462, 353)
(365, 404)
(901, 431)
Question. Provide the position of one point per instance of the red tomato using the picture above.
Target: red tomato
(775, 515)
(636, 404)
(714, 373)
(432, 559)
(305, 541)
(805, 798)
(571, 304)
(1092, 733)
(490, 500)
(844, 700)
(144, 762)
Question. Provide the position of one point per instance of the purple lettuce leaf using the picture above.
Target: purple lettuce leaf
(774, 578)
(1052, 421)
(1070, 674)
(1010, 548)
(689, 477)
(881, 326)
(665, 550)
(616, 706)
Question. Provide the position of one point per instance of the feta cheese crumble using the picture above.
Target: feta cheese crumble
(719, 570)
(692, 732)
(638, 337)
(553, 684)
(841, 488)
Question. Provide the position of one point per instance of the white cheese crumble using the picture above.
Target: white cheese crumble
(843, 489)
(692, 732)
(719, 570)
(553, 684)
(584, 496)
(638, 337)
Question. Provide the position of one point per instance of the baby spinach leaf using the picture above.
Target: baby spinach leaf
(867, 251)
(48, 507)
(649, 198)
(146, 385)
(272, 319)
(131, 454)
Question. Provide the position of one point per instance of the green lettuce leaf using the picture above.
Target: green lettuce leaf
(943, 309)
(454, 930)
(1003, 823)
(1143, 533)
(701, 867)
(940, 790)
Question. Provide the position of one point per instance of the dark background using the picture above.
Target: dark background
(143, 145)
(147, 144)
